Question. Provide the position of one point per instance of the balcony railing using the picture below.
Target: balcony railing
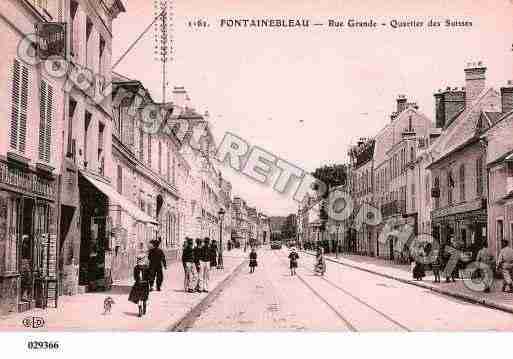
(393, 208)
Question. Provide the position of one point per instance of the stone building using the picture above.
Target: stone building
(499, 169)
(398, 188)
(54, 220)
(239, 221)
(146, 165)
(458, 171)
(361, 158)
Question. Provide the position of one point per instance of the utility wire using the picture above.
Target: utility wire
(137, 40)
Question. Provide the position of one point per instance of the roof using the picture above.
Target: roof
(391, 134)
(463, 128)
(507, 157)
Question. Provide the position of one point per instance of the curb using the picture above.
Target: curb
(461, 296)
(187, 320)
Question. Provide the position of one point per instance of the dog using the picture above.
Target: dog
(107, 305)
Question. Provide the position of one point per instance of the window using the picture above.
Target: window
(87, 122)
(45, 120)
(436, 184)
(450, 186)
(160, 157)
(462, 183)
(413, 197)
(500, 231)
(101, 56)
(19, 106)
(149, 150)
(168, 163)
(412, 154)
(89, 30)
(119, 183)
(174, 171)
(74, 30)
(479, 176)
(71, 113)
(428, 189)
(141, 145)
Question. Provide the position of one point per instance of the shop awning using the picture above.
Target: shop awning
(116, 198)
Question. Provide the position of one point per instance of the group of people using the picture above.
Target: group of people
(486, 267)
(149, 268)
(197, 261)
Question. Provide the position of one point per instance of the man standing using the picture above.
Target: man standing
(505, 263)
(190, 270)
(197, 259)
(485, 258)
(157, 261)
(205, 258)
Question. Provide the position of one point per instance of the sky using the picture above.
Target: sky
(305, 95)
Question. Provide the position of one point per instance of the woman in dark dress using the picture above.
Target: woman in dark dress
(293, 256)
(141, 288)
(252, 260)
(213, 254)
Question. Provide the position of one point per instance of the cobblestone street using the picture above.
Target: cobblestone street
(345, 299)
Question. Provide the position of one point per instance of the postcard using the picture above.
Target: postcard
(255, 166)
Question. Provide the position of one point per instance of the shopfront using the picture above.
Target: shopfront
(112, 232)
(28, 242)
(465, 230)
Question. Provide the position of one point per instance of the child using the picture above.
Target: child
(141, 288)
(436, 265)
(252, 260)
(293, 256)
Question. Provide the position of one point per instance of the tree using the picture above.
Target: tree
(332, 175)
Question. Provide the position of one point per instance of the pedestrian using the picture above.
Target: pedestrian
(293, 257)
(190, 268)
(435, 266)
(141, 288)
(157, 261)
(197, 259)
(184, 267)
(252, 260)
(205, 257)
(213, 254)
(450, 273)
(320, 262)
(418, 269)
(485, 259)
(505, 264)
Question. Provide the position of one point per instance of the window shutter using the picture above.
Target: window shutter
(15, 99)
(45, 124)
(23, 108)
(42, 119)
(19, 103)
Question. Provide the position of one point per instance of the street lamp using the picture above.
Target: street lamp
(220, 258)
(338, 240)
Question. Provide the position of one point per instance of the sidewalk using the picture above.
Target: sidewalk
(496, 299)
(85, 312)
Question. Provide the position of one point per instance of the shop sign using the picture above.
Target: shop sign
(51, 40)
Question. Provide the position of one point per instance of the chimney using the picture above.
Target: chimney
(507, 97)
(475, 81)
(448, 103)
(180, 97)
(401, 103)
